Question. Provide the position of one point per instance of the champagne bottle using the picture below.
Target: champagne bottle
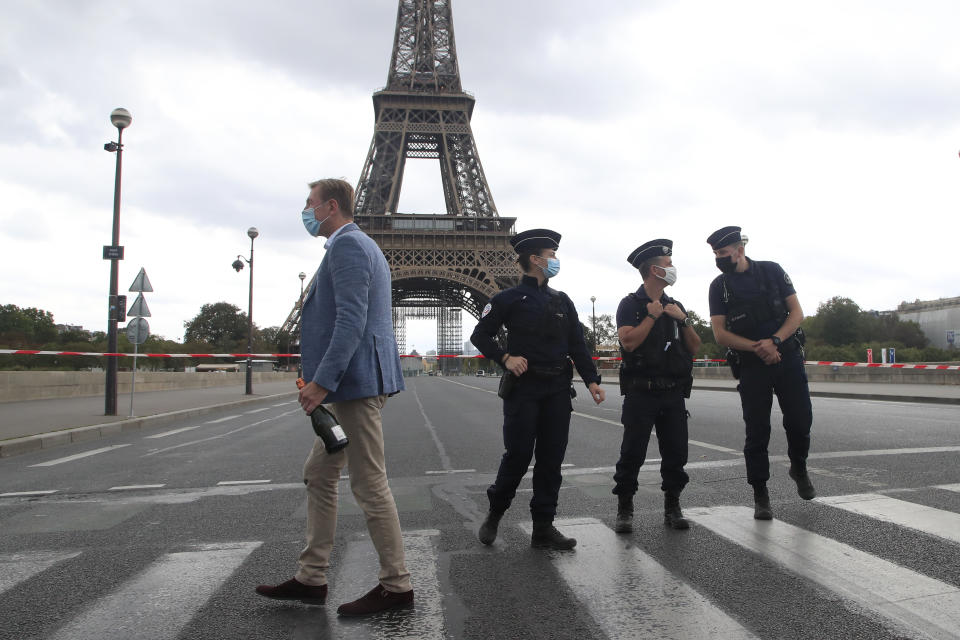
(326, 426)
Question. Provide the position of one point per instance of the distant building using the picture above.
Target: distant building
(938, 319)
(469, 349)
(412, 364)
(71, 328)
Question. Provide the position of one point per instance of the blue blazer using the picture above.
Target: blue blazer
(346, 333)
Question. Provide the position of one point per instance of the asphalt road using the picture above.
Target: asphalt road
(164, 533)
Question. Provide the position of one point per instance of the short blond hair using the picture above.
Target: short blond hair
(339, 190)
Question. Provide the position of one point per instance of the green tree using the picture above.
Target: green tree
(708, 344)
(838, 322)
(606, 331)
(220, 325)
(27, 327)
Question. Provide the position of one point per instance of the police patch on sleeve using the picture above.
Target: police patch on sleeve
(787, 279)
(486, 310)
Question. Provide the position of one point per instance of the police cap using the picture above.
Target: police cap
(534, 240)
(652, 249)
(725, 237)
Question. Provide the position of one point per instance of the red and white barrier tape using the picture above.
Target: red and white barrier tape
(30, 352)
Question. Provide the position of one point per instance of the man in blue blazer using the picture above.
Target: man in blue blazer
(350, 361)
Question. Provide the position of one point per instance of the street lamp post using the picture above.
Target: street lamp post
(593, 316)
(121, 119)
(302, 277)
(253, 233)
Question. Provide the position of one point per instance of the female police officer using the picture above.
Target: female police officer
(755, 312)
(543, 333)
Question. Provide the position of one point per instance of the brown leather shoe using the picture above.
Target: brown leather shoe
(293, 590)
(378, 599)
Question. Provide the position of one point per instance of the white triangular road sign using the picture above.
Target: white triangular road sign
(141, 282)
(139, 307)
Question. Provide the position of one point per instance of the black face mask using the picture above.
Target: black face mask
(726, 265)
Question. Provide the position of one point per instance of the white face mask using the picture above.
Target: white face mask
(669, 276)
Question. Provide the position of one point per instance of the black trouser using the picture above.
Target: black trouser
(642, 411)
(758, 382)
(536, 421)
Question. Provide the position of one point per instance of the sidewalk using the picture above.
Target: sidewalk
(891, 392)
(41, 424)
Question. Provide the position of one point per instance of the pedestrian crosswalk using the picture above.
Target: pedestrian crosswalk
(907, 599)
(622, 583)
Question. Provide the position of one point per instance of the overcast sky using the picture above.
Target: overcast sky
(828, 130)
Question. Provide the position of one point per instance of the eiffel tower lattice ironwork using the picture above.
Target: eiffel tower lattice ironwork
(455, 260)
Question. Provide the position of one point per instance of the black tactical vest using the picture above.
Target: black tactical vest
(752, 317)
(662, 354)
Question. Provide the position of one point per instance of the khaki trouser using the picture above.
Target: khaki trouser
(362, 422)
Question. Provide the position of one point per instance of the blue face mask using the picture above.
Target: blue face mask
(552, 268)
(311, 223)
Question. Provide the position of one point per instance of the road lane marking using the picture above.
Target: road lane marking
(948, 487)
(27, 494)
(696, 443)
(449, 471)
(18, 567)
(441, 450)
(227, 483)
(256, 410)
(224, 419)
(936, 522)
(606, 571)
(907, 600)
(170, 433)
(160, 601)
(78, 456)
(221, 435)
(132, 487)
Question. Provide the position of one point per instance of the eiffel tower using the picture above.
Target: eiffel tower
(440, 263)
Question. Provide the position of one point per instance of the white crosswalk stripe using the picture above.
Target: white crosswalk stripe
(908, 601)
(943, 524)
(17, 567)
(606, 571)
(159, 602)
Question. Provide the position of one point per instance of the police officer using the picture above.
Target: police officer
(755, 312)
(657, 343)
(543, 333)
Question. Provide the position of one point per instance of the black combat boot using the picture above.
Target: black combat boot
(761, 503)
(488, 530)
(672, 516)
(804, 487)
(624, 514)
(546, 536)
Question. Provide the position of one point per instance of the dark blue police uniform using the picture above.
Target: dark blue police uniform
(654, 397)
(754, 303)
(543, 327)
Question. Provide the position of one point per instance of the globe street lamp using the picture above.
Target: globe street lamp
(238, 265)
(302, 277)
(593, 315)
(121, 119)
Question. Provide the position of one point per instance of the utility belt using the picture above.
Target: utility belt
(635, 384)
(508, 381)
(739, 359)
(548, 371)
